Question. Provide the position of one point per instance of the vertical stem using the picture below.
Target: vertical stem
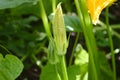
(63, 67)
(53, 5)
(111, 44)
(45, 19)
(94, 70)
(72, 54)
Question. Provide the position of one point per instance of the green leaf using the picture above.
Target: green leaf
(49, 73)
(77, 72)
(81, 60)
(81, 56)
(106, 72)
(10, 67)
(73, 71)
(33, 8)
(13, 3)
(1, 57)
(84, 72)
(72, 23)
(28, 9)
(101, 38)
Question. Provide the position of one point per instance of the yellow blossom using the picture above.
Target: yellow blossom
(95, 8)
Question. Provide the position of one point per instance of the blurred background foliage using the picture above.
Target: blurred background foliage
(23, 34)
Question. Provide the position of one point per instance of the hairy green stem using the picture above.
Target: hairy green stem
(111, 44)
(63, 67)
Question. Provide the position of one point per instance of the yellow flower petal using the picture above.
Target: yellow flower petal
(95, 8)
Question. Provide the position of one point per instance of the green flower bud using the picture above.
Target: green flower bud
(59, 31)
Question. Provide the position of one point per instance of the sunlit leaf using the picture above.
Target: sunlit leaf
(81, 62)
(78, 72)
(49, 73)
(81, 56)
(10, 67)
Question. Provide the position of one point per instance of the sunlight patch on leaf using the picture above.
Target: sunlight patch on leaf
(81, 55)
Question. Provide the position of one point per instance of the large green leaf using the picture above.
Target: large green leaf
(10, 67)
(49, 73)
(73, 72)
(81, 59)
(32, 8)
(78, 72)
(28, 9)
(13, 3)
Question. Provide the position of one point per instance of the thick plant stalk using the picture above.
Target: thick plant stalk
(45, 19)
(53, 5)
(63, 68)
(94, 69)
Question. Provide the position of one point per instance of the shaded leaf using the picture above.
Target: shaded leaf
(30, 8)
(106, 72)
(72, 23)
(13, 3)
